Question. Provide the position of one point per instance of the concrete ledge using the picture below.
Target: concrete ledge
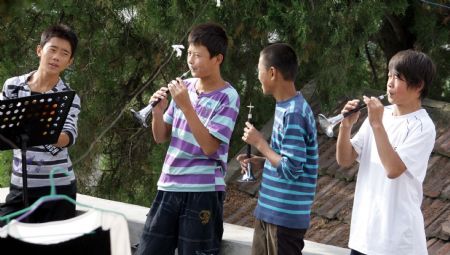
(237, 240)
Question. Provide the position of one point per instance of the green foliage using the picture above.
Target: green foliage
(5, 168)
(125, 45)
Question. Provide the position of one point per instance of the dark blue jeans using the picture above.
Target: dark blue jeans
(353, 252)
(189, 221)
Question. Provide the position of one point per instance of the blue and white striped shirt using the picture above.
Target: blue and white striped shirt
(287, 190)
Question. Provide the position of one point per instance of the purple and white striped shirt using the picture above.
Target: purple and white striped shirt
(186, 168)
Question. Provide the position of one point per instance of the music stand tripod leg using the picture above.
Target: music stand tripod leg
(23, 150)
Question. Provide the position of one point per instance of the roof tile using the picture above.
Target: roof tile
(435, 246)
(446, 192)
(444, 234)
(435, 229)
(345, 173)
(328, 232)
(326, 206)
(436, 179)
(432, 214)
(444, 250)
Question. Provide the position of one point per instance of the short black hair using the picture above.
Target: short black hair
(212, 36)
(61, 31)
(416, 67)
(281, 56)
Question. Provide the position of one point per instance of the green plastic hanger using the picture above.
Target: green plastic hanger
(53, 196)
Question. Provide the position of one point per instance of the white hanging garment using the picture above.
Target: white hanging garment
(61, 231)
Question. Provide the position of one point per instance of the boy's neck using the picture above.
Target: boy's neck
(404, 109)
(209, 83)
(41, 81)
(285, 90)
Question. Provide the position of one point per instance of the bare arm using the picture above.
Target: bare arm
(255, 138)
(63, 140)
(69, 133)
(273, 157)
(161, 130)
(256, 161)
(345, 153)
(390, 159)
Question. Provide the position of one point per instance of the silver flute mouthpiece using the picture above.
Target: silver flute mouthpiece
(185, 74)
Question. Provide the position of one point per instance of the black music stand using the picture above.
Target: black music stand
(32, 121)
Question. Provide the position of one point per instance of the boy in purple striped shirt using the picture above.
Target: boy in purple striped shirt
(187, 212)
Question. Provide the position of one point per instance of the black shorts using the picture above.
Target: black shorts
(189, 221)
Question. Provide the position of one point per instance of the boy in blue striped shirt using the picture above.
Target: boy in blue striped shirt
(290, 161)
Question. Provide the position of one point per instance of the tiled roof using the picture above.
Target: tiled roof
(331, 211)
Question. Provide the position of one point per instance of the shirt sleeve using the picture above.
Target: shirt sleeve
(6, 90)
(293, 146)
(416, 148)
(71, 124)
(222, 123)
(168, 115)
(3, 96)
(358, 139)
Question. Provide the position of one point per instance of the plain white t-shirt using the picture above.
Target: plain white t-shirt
(386, 217)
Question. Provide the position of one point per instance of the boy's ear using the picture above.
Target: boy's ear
(219, 58)
(419, 89)
(273, 73)
(38, 50)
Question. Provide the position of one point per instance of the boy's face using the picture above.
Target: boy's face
(398, 91)
(55, 55)
(264, 76)
(199, 61)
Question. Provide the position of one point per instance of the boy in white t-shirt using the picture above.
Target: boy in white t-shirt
(392, 147)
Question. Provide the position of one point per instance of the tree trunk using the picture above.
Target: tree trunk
(394, 35)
